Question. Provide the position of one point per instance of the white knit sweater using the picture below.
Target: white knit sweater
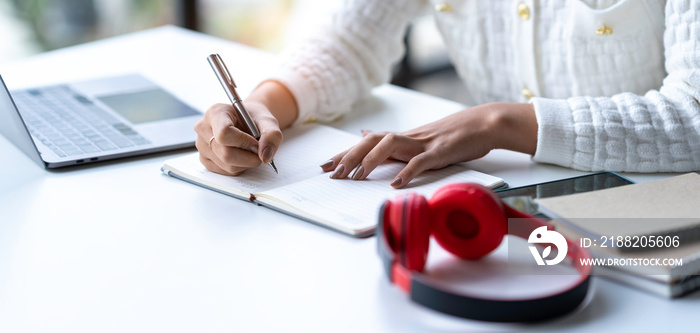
(617, 82)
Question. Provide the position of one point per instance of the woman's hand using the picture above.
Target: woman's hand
(463, 136)
(225, 149)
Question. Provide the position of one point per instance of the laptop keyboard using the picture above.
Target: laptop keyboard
(70, 124)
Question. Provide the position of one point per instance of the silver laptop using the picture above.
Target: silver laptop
(95, 120)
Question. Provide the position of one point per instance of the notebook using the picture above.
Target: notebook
(302, 189)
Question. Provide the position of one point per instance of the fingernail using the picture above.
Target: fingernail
(254, 149)
(267, 154)
(338, 171)
(359, 171)
(327, 164)
(397, 181)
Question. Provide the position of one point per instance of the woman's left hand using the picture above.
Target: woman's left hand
(460, 137)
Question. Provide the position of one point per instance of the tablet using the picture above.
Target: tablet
(586, 183)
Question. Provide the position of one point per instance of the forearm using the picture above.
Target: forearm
(514, 127)
(278, 99)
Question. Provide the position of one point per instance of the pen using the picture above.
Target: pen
(226, 80)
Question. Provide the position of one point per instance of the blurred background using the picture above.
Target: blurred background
(32, 26)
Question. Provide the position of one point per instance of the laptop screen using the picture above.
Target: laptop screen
(13, 128)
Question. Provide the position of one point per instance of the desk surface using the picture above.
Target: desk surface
(118, 247)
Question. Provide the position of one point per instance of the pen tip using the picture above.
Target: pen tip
(272, 164)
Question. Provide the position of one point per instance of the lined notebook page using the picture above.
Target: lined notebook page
(303, 150)
(352, 205)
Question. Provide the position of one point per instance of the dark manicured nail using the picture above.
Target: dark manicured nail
(338, 171)
(397, 181)
(359, 171)
(267, 154)
(327, 164)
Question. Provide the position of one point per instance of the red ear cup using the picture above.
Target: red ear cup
(409, 229)
(385, 216)
(467, 220)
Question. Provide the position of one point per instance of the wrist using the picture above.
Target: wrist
(277, 99)
(514, 127)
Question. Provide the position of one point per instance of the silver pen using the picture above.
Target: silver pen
(229, 86)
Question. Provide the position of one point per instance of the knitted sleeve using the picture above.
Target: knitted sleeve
(338, 66)
(656, 132)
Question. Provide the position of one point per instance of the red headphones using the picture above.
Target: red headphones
(469, 221)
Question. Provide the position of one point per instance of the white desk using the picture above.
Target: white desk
(118, 247)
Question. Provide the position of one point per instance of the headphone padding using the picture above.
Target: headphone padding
(457, 208)
(410, 230)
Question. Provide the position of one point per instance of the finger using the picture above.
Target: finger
(223, 125)
(352, 157)
(368, 132)
(204, 149)
(270, 134)
(203, 128)
(331, 164)
(415, 166)
(235, 157)
(215, 164)
(390, 144)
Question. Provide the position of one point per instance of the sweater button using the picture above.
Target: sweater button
(604, 31)
(443, 7)
(523, 11)
(527, 93)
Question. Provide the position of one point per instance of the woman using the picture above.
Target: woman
(590, 84)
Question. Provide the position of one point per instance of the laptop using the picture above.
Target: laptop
(95, 120)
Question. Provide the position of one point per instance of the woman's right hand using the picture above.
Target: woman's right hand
(224, 148)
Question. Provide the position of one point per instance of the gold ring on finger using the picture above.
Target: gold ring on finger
(209, 142)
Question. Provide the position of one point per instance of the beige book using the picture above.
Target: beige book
(302, 189)
(665, 280)
(689, 255)
(667, 208)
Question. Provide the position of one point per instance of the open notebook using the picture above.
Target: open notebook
(302, 189)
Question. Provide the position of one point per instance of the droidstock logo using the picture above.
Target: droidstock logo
(542, 235)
